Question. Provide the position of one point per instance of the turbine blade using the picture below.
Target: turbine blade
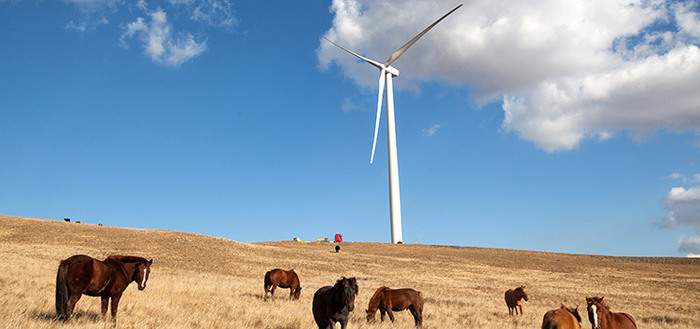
(403, 48)
(373, 63)
(382, 77)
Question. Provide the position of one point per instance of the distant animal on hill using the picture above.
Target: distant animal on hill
(337, 248)
(66, 219)
(388, 300)
(562, 318)
(106, 279)
(514, 299)
(283, 279)
(333, 304)
(601, 318)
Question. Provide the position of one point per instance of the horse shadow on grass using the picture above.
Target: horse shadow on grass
(44, 316)
(252, 295)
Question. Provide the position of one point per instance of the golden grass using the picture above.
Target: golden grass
(204, 282)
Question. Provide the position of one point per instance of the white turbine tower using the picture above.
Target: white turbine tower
(387, 72)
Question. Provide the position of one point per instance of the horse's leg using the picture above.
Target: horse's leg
(115, 304)
(267, 290)
(383, 312)
(343, 323)
(390, 313)
(74, 297)
(417, 316)
(291, 292)
(105, 301)
(272, 293)
(521, 309)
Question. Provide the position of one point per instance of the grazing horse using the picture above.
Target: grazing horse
(283, 279)
(106, 279)
(601, 318)
(514, 299)
(388, 300)
(562, 318)
(333, 304)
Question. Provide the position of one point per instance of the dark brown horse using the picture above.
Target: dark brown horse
(514, 299)
(106, 279)
(283, 279)
(333, 304)
(601, 318)
(562, 318)
(389, 300)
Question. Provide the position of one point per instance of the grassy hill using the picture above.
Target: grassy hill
(205, 282)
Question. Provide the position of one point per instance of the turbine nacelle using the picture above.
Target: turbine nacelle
(391, 70)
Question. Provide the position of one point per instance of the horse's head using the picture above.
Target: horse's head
(523, 292)
(594, 306)
(348, 290)
(370, 314)
(143, 270)
(297, 292)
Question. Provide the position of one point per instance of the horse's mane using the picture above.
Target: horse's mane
(573, 312)
(376, 298)
(339, 287)
(128, 259)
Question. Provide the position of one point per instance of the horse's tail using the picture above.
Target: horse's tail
(62, 292)
(268, 282)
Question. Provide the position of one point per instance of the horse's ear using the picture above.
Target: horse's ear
(150, 262)
(601, 298)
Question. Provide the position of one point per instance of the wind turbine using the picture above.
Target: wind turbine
(386, 73)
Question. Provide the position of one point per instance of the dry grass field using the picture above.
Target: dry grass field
(204, 282)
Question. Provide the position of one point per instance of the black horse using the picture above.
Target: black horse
(333, 304)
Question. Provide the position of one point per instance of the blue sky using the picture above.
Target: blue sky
(565, 126)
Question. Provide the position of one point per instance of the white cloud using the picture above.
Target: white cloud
(690, 245)
(211, 12)
(348, 105)
(162, 41)
(565, 71)
(677, 176)
(159, 43)
(683, 207)
(430, 132)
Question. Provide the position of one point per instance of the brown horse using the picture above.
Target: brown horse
(601, 318)
(562, 318)
(333, 304)
(388, 300)
(283, 279)
(514, 299)
(106, 279)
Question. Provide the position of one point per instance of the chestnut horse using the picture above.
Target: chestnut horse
(388, 300)
(514, 299)
(562, 318)
(106, 279)
(601, 318)
(333, 304)
(283, 279)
